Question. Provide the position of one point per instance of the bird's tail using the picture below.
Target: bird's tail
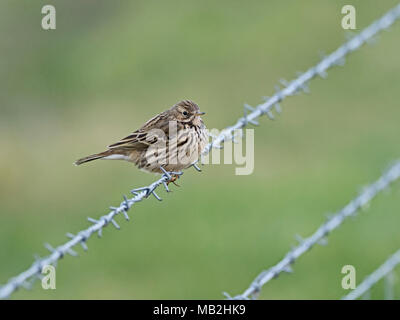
(93, 157)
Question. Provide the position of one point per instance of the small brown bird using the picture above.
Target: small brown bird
(173, 140)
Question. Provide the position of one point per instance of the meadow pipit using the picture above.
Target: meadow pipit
(173, 140)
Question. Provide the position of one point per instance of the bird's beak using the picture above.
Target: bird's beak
(200, 113)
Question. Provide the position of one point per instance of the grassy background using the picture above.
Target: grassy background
(109, 66)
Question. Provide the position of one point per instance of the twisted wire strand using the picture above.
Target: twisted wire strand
(26, 278)
(384, 270)
(321, 234)
(22, 280)
(300, 84)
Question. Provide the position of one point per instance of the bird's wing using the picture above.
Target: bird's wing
(151, 132)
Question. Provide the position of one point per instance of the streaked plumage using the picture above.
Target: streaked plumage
(157, 144)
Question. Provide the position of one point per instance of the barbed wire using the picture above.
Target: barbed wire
(299, 84)
(385, 270)
(22, 280)
(320, 235)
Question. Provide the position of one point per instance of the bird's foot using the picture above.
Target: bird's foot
(172, 176)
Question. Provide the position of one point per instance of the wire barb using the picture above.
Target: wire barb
(194, 165)
(334, 222)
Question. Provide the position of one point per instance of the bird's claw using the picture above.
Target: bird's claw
(173, 178)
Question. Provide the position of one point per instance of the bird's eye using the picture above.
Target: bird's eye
(185, 113)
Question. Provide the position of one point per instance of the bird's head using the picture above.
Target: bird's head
(187, 111)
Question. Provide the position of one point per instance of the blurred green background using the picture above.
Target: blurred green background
(111, 65)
